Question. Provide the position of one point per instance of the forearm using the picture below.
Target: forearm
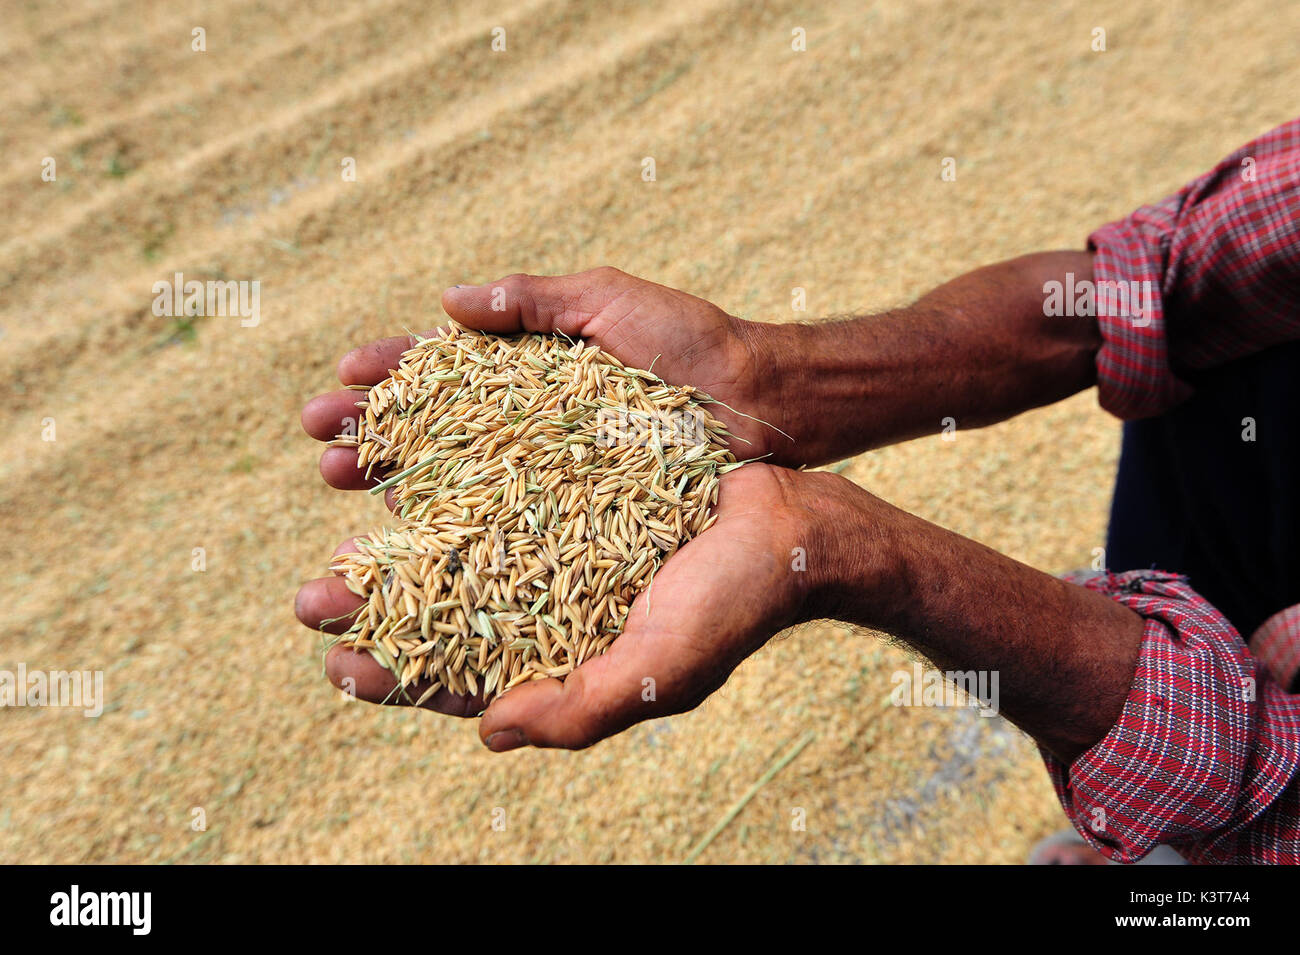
(1064, 655)
(978, 349)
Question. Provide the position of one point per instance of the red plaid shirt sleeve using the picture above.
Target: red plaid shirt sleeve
(1205, 754)
(1276, 644)
(1209, 274)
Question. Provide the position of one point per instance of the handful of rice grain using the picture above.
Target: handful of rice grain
(539, 485)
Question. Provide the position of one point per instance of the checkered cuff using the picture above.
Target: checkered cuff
(1134, 378)
(1173, 768)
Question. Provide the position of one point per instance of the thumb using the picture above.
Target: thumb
(535, 303)
(602, 697)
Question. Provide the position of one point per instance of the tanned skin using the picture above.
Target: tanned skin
(978, 349)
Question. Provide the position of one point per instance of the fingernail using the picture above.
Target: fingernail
(503, 741)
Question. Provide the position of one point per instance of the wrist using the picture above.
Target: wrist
(828, 385)
(853, 558)
(771, 358)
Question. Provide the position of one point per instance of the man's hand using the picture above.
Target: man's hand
(713, 603)
(684, 339)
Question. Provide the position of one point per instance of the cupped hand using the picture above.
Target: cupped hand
(684, 339)
(713, 603)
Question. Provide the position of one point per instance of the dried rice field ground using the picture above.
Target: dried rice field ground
(775, 169)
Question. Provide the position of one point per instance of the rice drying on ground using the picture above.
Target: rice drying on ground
(539, 485)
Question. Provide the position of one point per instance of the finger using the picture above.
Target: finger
(602, 697)
(326, 604)
(358, 673)
(338, 466)
(349, 546)
(326, 416)
(319, 605)
(371, 363)
(535, 303)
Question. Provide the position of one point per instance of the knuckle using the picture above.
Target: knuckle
(518, 290)
(585, 727)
